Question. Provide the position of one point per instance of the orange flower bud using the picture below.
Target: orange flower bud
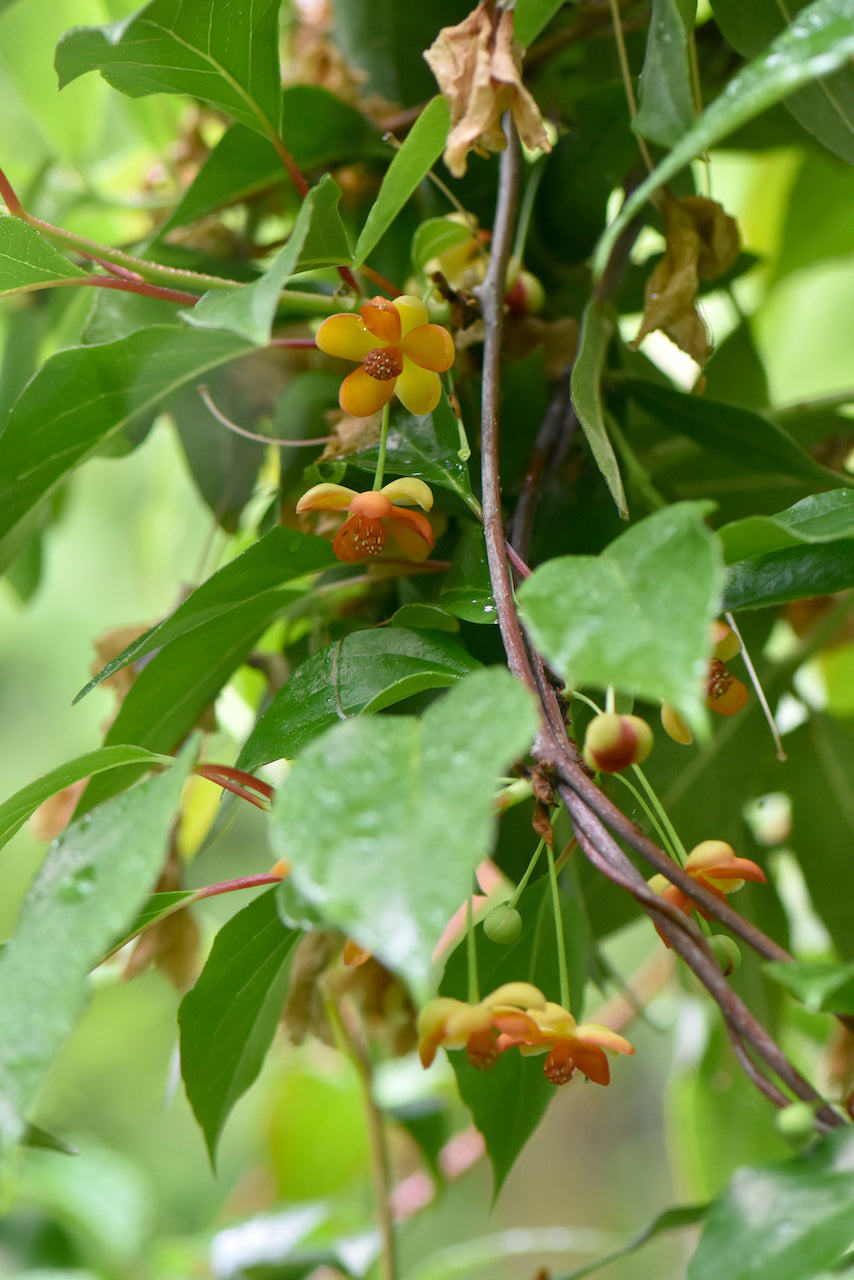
(726, 694)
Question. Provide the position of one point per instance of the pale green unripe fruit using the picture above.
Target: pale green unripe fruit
(796, 1123)
(502, 924)
(727, 953)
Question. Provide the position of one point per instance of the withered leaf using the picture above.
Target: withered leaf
(477, 65)
(702, 243)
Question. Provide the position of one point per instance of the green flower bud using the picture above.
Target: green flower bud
(796, 1123)
(727, 953)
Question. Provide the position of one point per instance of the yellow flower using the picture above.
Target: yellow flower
(374, 517)
(713, 864)
(397, 351)
(571, 1047)
(477, 1027)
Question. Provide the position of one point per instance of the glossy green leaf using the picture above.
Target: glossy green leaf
(27, 261)
(225, 55)
(81, 397)
(467, 590)
(785, 1220)
(93, 880)
(665, 94)
(229, 1018)
(425, 617)
(637, 616)
(822, 517)
(427, 447)
(257, 575)
(826, 109)
(318, 239)
(743, 437)
(530, 16)
(597, 329)
(175, 688)
(420, 151)
(822, 986)
(820, 39)
(436, 236)
(532, 958)
(384, 819)
(365, 671)
(15, 811)
(793, 574)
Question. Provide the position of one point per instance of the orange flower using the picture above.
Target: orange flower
(397, 351)
(373, 518)
(713, 864)
(477, 1027)
(725, 693)
(570, 1047)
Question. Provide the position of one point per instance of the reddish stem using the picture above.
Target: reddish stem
(239, 782)
(231, 886)
(126, 285)
(381, 282)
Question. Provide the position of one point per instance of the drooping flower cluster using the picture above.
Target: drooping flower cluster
(714, 865)
(725, 693)
(517, 1015)
(397, 350)
(373, 518)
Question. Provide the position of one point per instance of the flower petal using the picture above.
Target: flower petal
(418, 389)
(409, 491)
(327, 497)
(382, 318)
(361, 395)
(412, 312)
(591, 1061)
(597, 1033)
(411, 532)
(430, 346)
(359, 538)
(345, 335)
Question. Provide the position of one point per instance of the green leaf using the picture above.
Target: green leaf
(597, 328)
(676, 1219)
(822, 986)
(819, 40)
(744, 438)
(228, 1020)
(94, 878)
(436, 236)
(318, 239)
(665, 95)
(384, 819)
(470, 1257)
(530, 16)
(15, 811)
(427, 447)
(822, 517)
(423, 145)
(35, 1136)
(826, 109)
(27, 261)
(785, 1220)
(365, 671)
(637, 616)
(82, 396)
(819, 778)
(467, 591)
(211, 50)
(794, 574)
(258, 574)
(532, 958)
(158, 907)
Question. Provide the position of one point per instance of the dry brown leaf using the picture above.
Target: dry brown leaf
(702, 243)
(477, 65)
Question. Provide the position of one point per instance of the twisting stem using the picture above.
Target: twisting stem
(491, 297)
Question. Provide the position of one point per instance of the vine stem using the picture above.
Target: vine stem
(563, 974)
(491, 297)
(380, 471)
(350, 1039)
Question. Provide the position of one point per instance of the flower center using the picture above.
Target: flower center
(384, 363)
(720, 679)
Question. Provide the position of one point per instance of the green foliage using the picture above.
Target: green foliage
(626, 501)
